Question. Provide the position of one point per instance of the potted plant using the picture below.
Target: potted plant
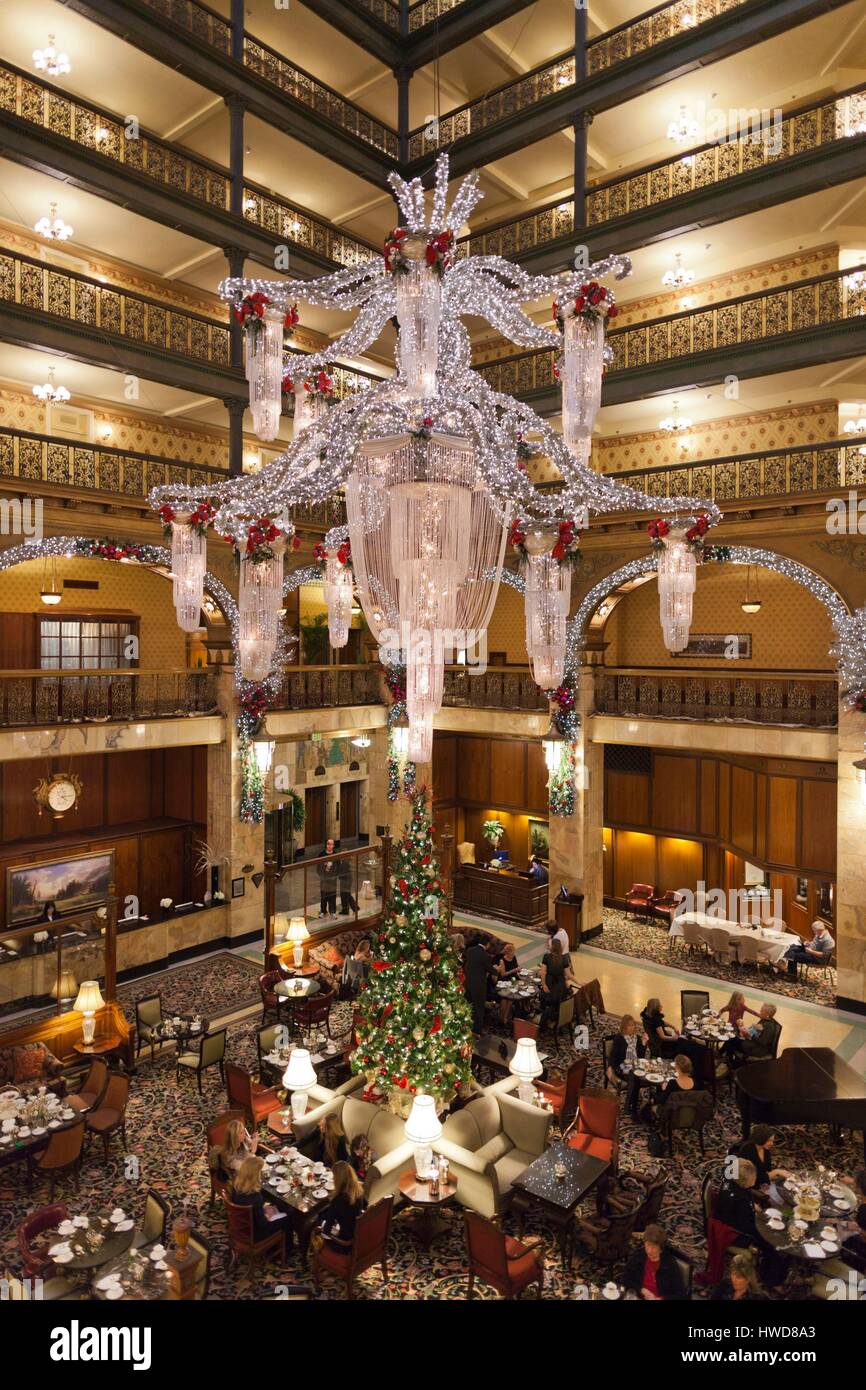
(493, 831)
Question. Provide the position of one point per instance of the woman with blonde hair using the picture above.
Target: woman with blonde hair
(332, 1146)
(246, 1191)
(237, 1146)
(346, 1205)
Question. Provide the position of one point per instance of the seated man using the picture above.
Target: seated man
(757, 1042)
(817, 952)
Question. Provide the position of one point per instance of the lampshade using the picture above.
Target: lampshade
(423, 1126)
(525, 1063)
(297, 932)
(299, 1074)
(89, 998)
(66, 986)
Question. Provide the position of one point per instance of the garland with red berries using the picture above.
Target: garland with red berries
(565, 547)
(592, 302)
(250, 315)
(438, 253)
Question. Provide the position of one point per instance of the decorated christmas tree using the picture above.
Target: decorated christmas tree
(414, 1033)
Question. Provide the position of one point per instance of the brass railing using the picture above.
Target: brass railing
(83, 300)
(806, 129)
(498, 687)
(198, 20)
(769, 697)
(29, 698)
(328, 687)
(95, 129)
(388, 11)
(273, 214)
(747, 477)
(615, 46)
(321, 515)
(40, 458)
(316, 96)
(428, 11)
(814, 303)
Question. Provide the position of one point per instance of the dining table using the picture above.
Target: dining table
(299, 1187)
(772, 941)
(183, 1029)
(140, 1276)
(85, 1242)
(808, 1214)
(27, 1121)
(555, 1184)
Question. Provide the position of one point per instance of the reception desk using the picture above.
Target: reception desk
(500, 893)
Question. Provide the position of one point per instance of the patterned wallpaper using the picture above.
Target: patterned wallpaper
(124, 587)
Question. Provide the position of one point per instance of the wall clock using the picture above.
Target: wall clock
(58, 794)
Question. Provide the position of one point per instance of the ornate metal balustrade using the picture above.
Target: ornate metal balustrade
(814, 303)
(388, 11)
(80, 299)
(316, 96)
(830, 467)
(321, 515)
(40, 458)
(200, 21)
(509, 688)
(615, 46)
(29, 698)
(294, 225)
(328, 687)
(98, 130)
(760, 698)
(428, 11)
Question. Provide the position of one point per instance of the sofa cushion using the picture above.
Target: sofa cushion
(29, 1063)
(510, 1166)
(386, 1132)
(461, 1128)
(494, 1149)
(485, 1113)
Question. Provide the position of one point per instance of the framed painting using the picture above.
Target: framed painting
(539, 839)
(75, 884)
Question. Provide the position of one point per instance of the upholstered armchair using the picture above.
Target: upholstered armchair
(639, 898)
(506, 1264)
(596, 1128)
(489, 1143)
(563, 1094)
(34, 1252)
(257, 1102)
(369, 1247)
(31, 1065)
(393, 1155)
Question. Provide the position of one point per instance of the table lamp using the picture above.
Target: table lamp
(88, 1001)
(298, 934)
(525, 1065)
(65, 987)
(423, 1129)
(298, 1077)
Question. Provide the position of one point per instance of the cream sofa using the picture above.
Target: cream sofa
(393, 1155)
(489, 1143)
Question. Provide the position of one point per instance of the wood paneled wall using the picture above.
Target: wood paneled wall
(778, 813)
(156, 798)
(476, 778)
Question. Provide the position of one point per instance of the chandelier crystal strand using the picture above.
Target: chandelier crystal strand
(264, 367)
(260, 599)
(582, 369)
(546, 601)
(677, 578)
(338, 590)
(419, 308)
(188, 565)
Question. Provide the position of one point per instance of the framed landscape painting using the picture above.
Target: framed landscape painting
(539, 839)
(75, 884)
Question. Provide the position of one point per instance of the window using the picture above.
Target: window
(71, 644)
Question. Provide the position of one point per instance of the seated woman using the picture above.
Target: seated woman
(757, 1150)
(735, 1208)
(344, 1208)
(331, 1146)
(736, 1009)
(652, 1270)
(505, 967)
(356, 967)
(627, 1047)
(246, 1191)
(556, 977)
(683, 1079)
(237, 1146)
(360, 1156)
(741, 1285)
(664, 1040)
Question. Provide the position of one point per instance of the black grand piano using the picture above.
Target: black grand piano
(806, 1085)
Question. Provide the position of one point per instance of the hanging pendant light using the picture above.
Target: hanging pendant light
(264, 369)
(48, 59)
(49, 393)
(419, 308)
(677, 579)
(678, 278)
(683, 128)
(546, 602)
(50, 593)
(751, 603)
(338, 590)
(52, 227)
(188, 565)
(260, 599)
(582, 371)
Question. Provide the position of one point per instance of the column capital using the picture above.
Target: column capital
(584, 119)
(236, 102)
(235, 407)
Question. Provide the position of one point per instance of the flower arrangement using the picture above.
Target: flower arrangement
(564, 714)
(695, 535)
(219, 896)
(593, 302)
(438, 253)
(493, 831)
(262, 536)
(251, 311)
(565, 547)
(105, 549)
(343, 554)
(166, 903)
(199, 520)
(657, 530)
(320, 387)
(425, 429)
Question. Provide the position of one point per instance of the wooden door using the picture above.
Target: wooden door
(314, 802)
(349, 810)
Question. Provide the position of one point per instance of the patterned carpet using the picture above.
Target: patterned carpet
(213, 986)
(648, 940)
(166, 1130)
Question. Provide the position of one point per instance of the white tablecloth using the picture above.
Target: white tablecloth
(772, 944)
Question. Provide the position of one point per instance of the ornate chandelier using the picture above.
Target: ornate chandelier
(432, 460)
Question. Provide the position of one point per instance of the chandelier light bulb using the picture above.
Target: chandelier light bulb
(857, 426)
(678, 278)
(49, 60)
(52, 227)
(49, 393)
(683, 130)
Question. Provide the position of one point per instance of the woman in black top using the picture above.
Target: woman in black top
(246, 1191)
(556, 976)
(346, 1205)
(758, 1150)
(735, 1208)
(741, 1285)
(664, 1040)
(331, 1146)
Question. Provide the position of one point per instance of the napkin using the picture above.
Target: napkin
(816, 1252)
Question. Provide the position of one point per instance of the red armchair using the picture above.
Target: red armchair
(506, 1264)
(369, 1247)
(596, 1129)
(523, 1028)
(563, 1095)
(242, 1241)
(639, 898)
(666, 904)
(257, 1102)
(37, 1262)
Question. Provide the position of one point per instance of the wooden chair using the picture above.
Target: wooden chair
(36, 1261)
(606, 1238)
(693, 937)
(267, 1038)
(565, 1017)
(211, 1054)
(60, 1158)
(748, 952)
(506, 1264)
(692, 1001)
(651, 1202)
(242, 1241)
(692, 1111)
(596, 1128)
(216, 1132)
(256, 1102)
(200, 1247)
(110, 1115)
(563, 1095)
(157, 1212)
(639, 898)
(271, 1001)
(312, 1013)
(606, 1053)
(523, 1028)
(148, 1013)
(92, 1088)
(369, 1247)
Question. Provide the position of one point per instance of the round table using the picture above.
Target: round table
(114, 1244)
(311, 968)
(297, 989)
(183, 1032)
(425, 1221)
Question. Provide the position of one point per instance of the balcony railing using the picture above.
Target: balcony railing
(506, 687)
(29, 698)
(831, 467)
(80, 299)
(428, 11)
(388, 11)
(707, 166)
(770, 697)
(328, 687)
(556, 76)
(316, 96)
(98, 130)
(40, 458)
(291, 224)
(814, 303)
(198, 20)
(321, 515)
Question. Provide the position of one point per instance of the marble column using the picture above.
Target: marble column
(228, 836)
(576, 840)
(850, 930)
(381, 811)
